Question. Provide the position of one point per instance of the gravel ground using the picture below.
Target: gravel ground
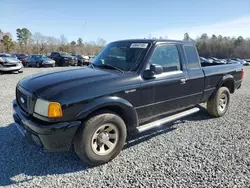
(197, 151)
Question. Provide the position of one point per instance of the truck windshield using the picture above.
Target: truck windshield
(125, 56)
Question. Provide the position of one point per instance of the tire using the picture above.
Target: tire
(94, 131)
(60, 63)
(38, 65)
(218, 104)
(56, 63)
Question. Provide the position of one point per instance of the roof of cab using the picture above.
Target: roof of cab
(155, 41)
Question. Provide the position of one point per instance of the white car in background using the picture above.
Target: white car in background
(242, 61)
(247, 60)
(223, 61)
(10, 64)
(91, 58)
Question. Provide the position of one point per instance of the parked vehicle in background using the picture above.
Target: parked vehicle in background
(204, 60)
(242, 61)
(63, 59)
(14, 56)
(75, 60)
(247, 60)
(210, 60)
(230, 61)
(10, 64)
(22, 58)
(39, 61)
(91, 58)
(223, 61)
(82, 60)
(216, 60)
(131, 86)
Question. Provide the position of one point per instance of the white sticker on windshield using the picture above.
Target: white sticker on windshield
(139, 45)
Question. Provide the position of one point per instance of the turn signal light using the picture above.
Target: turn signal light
(242, 74)
(54, 110)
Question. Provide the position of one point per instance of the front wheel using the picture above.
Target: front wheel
(101, 138)
(218, 104)
(38, 65)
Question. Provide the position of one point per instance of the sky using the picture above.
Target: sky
(116, 19)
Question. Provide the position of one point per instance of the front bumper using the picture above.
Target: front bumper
(83, 62)
(54, 137)
(73, 62)
(14, 68)
(48, 64)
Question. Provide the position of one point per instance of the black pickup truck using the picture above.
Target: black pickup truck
(63, 59)
(131, 86)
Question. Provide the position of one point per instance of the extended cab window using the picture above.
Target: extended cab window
(167, 56)
(192, 57)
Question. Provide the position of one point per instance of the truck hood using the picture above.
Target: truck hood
(46, 85)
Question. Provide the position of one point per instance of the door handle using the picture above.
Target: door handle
(183, 80)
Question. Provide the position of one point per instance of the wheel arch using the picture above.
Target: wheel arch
(117, 105)
(227, 81)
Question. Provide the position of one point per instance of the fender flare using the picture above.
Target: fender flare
(129, 113)
(226, 78)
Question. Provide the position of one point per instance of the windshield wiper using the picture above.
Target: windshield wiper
(92, 65)
(110, 66)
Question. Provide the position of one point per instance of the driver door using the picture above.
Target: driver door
(168, 90)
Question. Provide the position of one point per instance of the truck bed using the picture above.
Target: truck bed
(212, 64)
(215, 74)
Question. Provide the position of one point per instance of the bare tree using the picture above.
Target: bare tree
(39, 43)
(100, 42)
(73, 47)
(64, 40)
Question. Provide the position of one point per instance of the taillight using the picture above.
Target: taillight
(242, 74)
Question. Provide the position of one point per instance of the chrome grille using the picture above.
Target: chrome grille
(22, 100)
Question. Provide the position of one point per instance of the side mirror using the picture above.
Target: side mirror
(154, 70)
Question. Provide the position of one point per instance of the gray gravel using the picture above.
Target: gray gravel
(197, 151)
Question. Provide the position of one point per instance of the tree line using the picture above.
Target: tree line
(218, 46)
(221, 46)
(36, 43)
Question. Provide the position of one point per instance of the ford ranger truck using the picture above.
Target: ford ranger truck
(131, 86)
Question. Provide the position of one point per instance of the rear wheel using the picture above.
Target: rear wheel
(101, 138)
(218, 104)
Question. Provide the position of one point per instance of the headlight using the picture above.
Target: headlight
(48, 109)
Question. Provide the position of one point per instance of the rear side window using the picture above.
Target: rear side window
(192, 57)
